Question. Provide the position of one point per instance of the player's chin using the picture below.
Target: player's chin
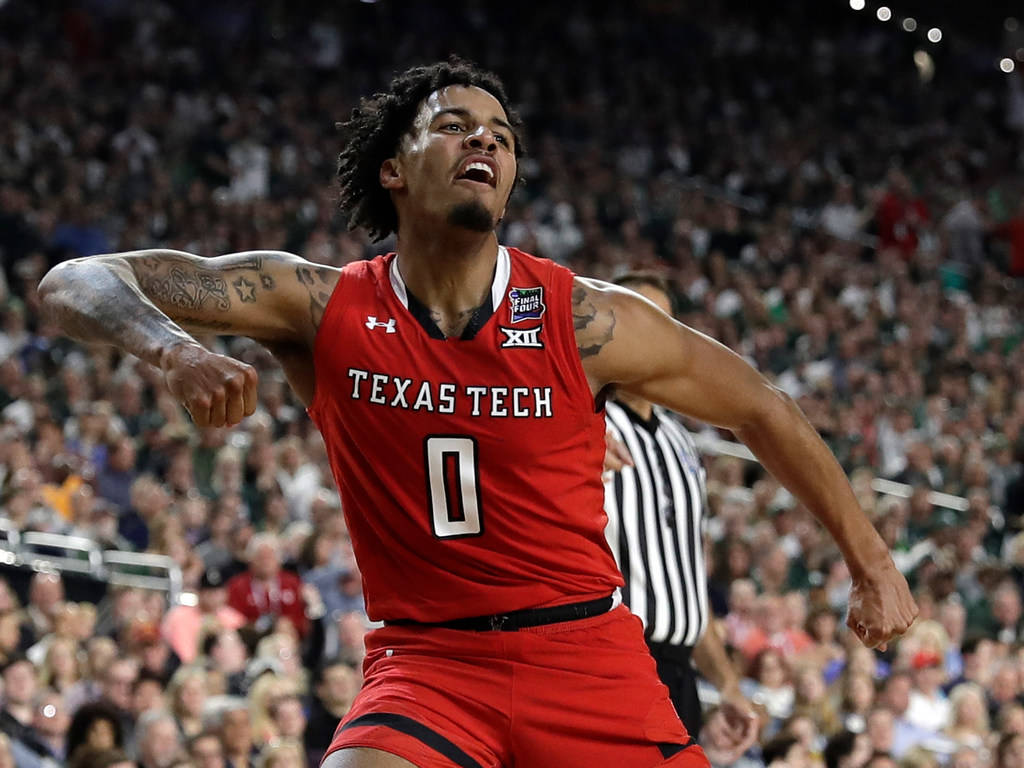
(473, 215)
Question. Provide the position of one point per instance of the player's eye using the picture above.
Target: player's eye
(451, 127)
(502, 138)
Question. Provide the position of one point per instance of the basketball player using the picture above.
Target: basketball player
(458, 385)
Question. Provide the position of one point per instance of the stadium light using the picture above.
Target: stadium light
(1006, 65)
(883, 13)
(934, 35)
(1020, 54)
(857, 5)
(1010, 25)
(909, 24)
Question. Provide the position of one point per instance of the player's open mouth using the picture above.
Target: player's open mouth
(479, 171)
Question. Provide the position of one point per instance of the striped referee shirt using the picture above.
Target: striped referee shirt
(655, 520)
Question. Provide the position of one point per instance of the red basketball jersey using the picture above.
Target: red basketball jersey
(469, 468)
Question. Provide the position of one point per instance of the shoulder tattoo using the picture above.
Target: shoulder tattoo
(317, 282)
(594, 324)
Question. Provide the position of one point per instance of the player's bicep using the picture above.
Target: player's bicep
(655, 357)
(267, 295)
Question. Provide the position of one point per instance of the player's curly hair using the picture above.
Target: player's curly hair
(377, 125)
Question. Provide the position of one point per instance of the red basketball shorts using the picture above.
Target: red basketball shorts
(578, 694)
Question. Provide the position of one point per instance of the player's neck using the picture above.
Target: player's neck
(451, 273)
(642, 408)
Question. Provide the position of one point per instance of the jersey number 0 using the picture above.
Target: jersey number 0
(453, 485)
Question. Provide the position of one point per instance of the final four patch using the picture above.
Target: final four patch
(527, 303)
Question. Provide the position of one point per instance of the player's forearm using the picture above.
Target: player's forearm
(790, 448)
(713, 662)
(98, 300)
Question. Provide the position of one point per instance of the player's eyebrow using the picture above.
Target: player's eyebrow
(466, 114)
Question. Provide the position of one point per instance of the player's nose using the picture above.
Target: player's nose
(481, 138)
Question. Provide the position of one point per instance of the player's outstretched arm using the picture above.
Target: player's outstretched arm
(147, 303)
(625, 341)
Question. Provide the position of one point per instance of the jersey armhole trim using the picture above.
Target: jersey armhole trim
(575, 362)
(320, 340)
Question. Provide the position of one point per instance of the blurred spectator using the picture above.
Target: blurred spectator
(1013, 230)
(964, 225)
(182, 624)
(17, 718)
(858, 698)
(264, 591)
(206, 750)
(148, 500)
(186, 695)
(118, 682)
(298, 478)
(227, 654)
(114, 482)
(847, 749)
(881, 731)
(769, 683)
(216, 551)
(229, 718)
(285, 754)
(268, 683)
(44, 599)
(50, 724)
(786, 752)
(840, 216)
(147, 693)
(901, 215)
(1004, 686)
(905, 733)
(968, 721)
(335, 685)
(1010, 751)
(159, 741)
(1005, 624)
(95, 726)
(928, 707)
(103, 758)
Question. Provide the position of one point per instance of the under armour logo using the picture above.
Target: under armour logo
(522, 337)
(371, 323)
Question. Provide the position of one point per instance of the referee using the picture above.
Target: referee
(655, 503)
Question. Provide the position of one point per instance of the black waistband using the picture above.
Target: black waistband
(516, 620)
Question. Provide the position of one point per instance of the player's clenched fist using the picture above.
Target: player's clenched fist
(217, 390)
(881, 606)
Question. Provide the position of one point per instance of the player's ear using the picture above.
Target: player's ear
(391, 174)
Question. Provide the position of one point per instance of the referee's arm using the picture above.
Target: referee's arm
(653, 356)
(712, 661)
(741, 723)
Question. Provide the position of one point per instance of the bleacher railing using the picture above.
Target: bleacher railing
(715, 446)
(40, 551)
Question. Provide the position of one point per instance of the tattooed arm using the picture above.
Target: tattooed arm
(625, 341)
(147, 302)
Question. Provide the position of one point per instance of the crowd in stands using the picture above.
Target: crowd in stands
(846, 215)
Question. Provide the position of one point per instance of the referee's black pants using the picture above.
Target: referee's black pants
(675, 671)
